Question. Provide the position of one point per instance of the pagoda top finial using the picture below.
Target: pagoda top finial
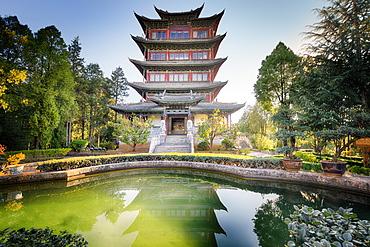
(165, 15)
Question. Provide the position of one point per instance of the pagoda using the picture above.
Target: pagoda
(179, 70)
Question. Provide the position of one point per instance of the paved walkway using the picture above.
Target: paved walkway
(259, 154)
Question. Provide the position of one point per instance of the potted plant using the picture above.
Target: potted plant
(342, 138)
(289, 131)
(11, 164)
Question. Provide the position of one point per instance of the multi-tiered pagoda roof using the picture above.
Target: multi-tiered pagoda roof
(180, 65)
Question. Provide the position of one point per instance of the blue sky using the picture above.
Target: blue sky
(254, 28)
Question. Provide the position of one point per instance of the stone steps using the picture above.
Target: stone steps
(174, 144)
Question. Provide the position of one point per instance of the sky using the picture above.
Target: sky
(253, 27)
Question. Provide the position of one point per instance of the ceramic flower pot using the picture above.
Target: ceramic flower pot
(333, 169)
(16, 169)
(292, 165)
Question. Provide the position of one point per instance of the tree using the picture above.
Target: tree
(134, 130)
(78, 73)
(256, 124)
(211, 127)
(277, 80)
(6, 78)
(335, 90)
(341, 46)
(97, 98)
(50, 85)
(118, 87)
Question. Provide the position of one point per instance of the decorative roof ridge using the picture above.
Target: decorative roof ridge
(215, 16)
(179, 62)
(184, 82)
(163, 14)
(200, 40)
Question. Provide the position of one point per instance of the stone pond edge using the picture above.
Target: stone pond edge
(350, 182)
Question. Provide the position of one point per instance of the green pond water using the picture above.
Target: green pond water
(167, 207)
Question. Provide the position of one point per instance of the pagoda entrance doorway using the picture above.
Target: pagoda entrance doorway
(177, 125)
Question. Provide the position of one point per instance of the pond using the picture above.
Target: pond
(167, 207)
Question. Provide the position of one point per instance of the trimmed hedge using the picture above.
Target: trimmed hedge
(42, 153)
(234, 160)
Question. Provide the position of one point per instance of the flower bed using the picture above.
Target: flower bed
(234, 160)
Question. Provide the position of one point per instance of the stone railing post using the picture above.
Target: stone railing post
(190, 136)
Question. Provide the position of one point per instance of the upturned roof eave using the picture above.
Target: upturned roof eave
(165, 14)
(194, 64)
(142, 88)
(144, 43)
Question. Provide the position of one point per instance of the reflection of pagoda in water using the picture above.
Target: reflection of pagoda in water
(177, 212)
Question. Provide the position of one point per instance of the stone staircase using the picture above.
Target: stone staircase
(174, 144)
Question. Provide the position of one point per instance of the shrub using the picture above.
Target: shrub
(234, 160)
(244, 151)
(203, 146)
(309, 157)
(77, 145)
(359, 170)
(107, 145)
(38, 154)
(312, 167)
(40, 237)
(227, 144)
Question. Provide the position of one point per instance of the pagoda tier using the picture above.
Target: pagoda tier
(179, 87)
(180, 19)
(171, 100)
(192, 14)
(149, 108)
(178, 44)
(178, 65)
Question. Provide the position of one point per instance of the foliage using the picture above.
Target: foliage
(289, 130)
(96, 99)
(309, 157)
(135, 131)
(50, 87)
(338, 62)
(234, 160)
(311, 167)
(277, 78)
(340, 137)
(326, 228)
(77, 145)
(118, 88)
(244, 151)
(2, 149)
(211, 127)
(340, 39)
(14, 159)
(40, 237)
(203, 146)
(269, 225)
(359, 170)
(227, 144)
(42, 153)
(13, 76)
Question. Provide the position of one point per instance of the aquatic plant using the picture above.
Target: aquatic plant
(327, 228)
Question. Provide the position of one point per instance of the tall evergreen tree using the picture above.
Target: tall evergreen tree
(335, 91)
(341, 41)
(118, 87)
(97, 99)
(14, 48)
(78, 72)
(275, 86)
(50, 85)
